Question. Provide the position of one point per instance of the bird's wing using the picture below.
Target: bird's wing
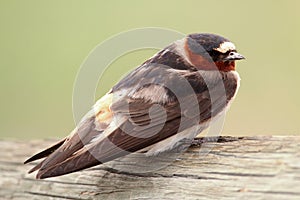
(120, 138)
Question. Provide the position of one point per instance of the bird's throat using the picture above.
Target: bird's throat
(225, 66)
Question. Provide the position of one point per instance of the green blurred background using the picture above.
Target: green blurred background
(43, 43)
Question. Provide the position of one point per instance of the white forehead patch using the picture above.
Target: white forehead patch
(225, 46)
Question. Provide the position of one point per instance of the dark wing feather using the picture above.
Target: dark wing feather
(46, 152)
(66, 147)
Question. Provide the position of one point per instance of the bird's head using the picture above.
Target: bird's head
(211, 52)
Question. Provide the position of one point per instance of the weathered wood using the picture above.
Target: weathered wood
(240, 168)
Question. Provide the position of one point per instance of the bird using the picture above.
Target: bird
(153, 108)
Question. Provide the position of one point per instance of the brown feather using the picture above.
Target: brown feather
(46, 152)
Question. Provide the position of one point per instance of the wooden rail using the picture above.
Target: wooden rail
(213, 168)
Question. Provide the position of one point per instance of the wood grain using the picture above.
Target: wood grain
(213, 168)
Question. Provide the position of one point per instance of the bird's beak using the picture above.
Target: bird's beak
(234, 56)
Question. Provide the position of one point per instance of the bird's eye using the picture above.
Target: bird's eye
(231, 53)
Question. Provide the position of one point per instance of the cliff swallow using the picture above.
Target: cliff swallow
(152, 109)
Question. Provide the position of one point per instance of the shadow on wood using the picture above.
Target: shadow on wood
(212, 168)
